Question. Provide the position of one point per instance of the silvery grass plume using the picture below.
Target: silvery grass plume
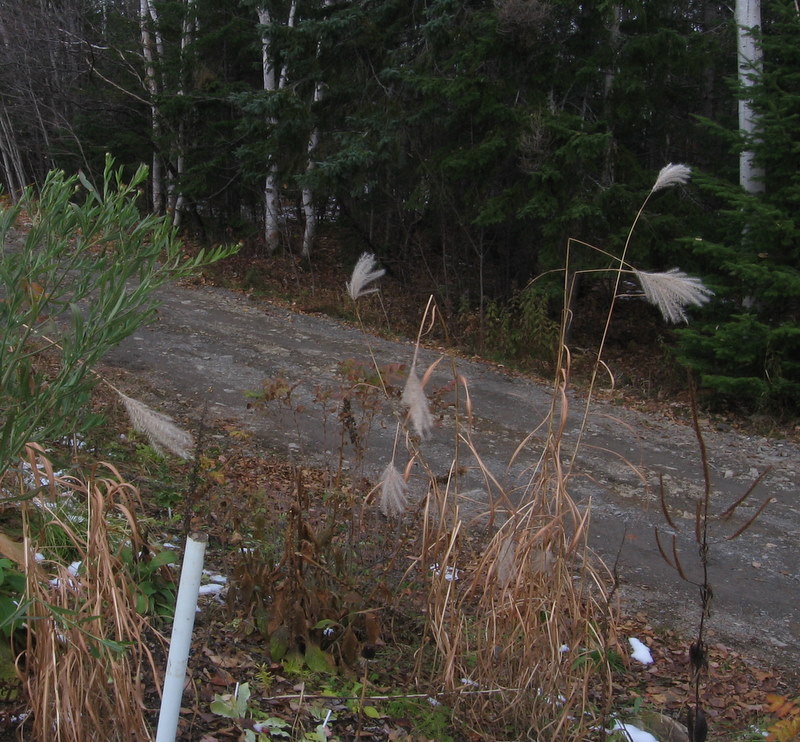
(394, 492)
(672, 292)
(671, 175)
(363, 273)
(161, 431)
(418, 410)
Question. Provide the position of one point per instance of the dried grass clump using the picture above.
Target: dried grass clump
(86, 656)
(524, 643)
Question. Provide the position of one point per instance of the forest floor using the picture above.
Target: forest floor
(256, 349)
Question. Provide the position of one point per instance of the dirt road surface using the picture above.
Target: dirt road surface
(212, 345)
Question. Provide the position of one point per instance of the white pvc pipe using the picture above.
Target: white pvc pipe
(181, 641)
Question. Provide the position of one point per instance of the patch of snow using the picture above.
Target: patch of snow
(640, 652)
(212, 589)
(450, 573)
(634, 733)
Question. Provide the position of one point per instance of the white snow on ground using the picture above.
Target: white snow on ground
(640, 652)
(635, 734)
(212, 589)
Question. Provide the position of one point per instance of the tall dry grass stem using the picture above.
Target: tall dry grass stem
(530, 626)
(162, 432)
(517, 633)
(86, 658)
(697, 722)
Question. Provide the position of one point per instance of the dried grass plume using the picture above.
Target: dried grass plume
(161, 431)
(418, 410)
(671, 175)
(364, 273)
(672, 292)
(394, 492)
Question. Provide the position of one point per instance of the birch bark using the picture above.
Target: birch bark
(274, 80)
(748, 20)
(310, 213)
(13, 170)
(310, 230)
(152, 49)
(177, 199)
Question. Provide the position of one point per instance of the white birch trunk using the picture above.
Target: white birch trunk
(177, 198)
(273, 81)
(13, 170)
(146, 15)
(310, 230)
(748, 19)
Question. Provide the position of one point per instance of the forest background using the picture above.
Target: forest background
(464, 143)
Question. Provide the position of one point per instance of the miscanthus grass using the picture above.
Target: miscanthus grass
(520, 634)
(364, 273)
(160, 429)
(672, 292)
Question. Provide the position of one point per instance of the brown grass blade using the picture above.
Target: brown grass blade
(662, 497)
(732, 509)
(752, 520)
(662, 551)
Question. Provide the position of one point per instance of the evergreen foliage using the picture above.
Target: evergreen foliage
(747, 346)
(474, 138)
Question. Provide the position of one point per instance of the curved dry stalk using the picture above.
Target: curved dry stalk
(86, 655)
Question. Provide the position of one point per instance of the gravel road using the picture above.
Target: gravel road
(212, 345)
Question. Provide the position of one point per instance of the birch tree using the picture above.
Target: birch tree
(153, 50)
(13, 169)
(177, 198)
(309, 212)
(274, 79)
(750, 66)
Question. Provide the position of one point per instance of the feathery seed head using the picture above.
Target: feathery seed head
(363, 273)
(394, 492)
(161, 431)
(418, 410)
(672, 292)
(671, 175)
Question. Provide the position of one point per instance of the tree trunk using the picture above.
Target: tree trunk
(13, 171)
(310, 231)
(177, 199)
(273, 81)
(150, 48)
(748, 21)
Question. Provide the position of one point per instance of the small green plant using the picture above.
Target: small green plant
(600, 659)
(153, 585)
(521, 329)
(431, 720)
(12, 591)
(235, 706)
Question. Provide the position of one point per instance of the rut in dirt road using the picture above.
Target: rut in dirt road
(212, 346)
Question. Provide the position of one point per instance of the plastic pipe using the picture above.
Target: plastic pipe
(181, 641)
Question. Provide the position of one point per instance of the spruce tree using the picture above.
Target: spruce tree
(747, 348)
